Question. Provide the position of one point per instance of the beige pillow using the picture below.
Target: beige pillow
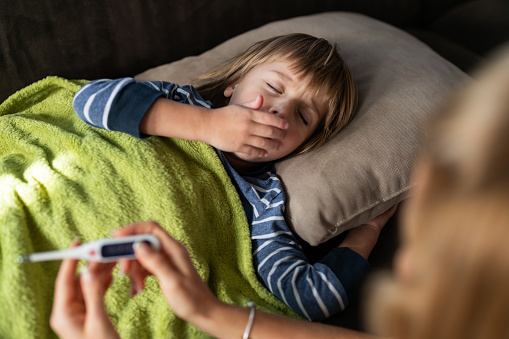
(367, 167)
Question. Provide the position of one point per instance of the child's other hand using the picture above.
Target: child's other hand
(78, 305)
(362, 239)
(379, 221)
(244, 129)
(184, 290)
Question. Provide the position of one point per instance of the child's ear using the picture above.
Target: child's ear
(228, 92)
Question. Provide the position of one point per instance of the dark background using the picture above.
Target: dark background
(114, 38)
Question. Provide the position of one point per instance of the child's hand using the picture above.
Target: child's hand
(78, 305)
(379, 221)
(363, 238)
(244, 129)
(184, 290)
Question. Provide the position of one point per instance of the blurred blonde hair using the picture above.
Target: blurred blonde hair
(457, 235)
(309, 56)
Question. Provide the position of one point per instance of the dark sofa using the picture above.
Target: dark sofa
(86, 39)
(90, 39)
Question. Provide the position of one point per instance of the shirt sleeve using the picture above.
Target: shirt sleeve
(120, 104)
(349, 266)
(315, 291)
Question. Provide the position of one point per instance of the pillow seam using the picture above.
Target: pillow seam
(359, 212)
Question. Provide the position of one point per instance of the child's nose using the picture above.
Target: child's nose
(277, 110)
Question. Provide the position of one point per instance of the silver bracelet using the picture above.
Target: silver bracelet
(250, 320)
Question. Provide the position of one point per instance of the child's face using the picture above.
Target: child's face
(286, 95)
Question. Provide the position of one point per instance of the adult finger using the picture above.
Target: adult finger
(128, 266)
(95, 279)
(141, 227)
(171, 249)
(154, 262)
(65, 283)
(137, 274)
(172, 253)
(66, 292)
(151, 227)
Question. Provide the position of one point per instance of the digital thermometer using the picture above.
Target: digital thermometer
(103, 250)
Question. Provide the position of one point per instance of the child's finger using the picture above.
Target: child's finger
(264, 117)
(383, 218)
(261, 144)
(268, 132)
(252, 151)
(254, 104)
(269, 119)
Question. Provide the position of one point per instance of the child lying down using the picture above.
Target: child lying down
(285, 95)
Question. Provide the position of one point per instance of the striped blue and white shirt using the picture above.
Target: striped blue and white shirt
(315, 291)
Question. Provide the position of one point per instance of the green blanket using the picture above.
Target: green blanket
(61, 179)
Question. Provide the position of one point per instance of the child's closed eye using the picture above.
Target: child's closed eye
(302, 117)
(274, 89)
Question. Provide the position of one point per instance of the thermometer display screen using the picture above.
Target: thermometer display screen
(117, 250)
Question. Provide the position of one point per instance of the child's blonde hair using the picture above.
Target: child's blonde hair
(309, 55)
(457, 234)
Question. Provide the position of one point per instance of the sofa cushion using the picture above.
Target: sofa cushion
(367, 167)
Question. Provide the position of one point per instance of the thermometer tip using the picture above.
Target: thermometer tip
(23, 258)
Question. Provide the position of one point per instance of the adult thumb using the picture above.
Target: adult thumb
(150, 259)
(255, 104)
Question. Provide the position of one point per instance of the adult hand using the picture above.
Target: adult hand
(184, 290)
(78, 304)
(245, 129)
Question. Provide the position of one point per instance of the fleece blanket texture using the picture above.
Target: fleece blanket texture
(61, 179)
